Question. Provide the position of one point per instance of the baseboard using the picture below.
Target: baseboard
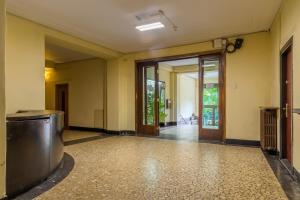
(253, 143)
(101, 130)
(168, 124)
(272, 152)
(297, 175)
(79, 128)
(127, 132)
(122, 132)
(171, 123)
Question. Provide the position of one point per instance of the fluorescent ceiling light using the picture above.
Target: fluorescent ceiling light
(151, 26)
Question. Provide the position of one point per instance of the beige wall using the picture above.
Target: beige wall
(165, 75)
(186, 96)
(248, 78)
(169, 75)
(247, 86)
(2, 99)
(285, 26)
(86, 91)
(25, 61)
(113, 101)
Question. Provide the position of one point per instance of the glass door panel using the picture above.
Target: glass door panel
(211, 95)
(147, 98)
(162, 101)
(149, 91)
(210, 110)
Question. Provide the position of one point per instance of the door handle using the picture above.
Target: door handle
(286, 110)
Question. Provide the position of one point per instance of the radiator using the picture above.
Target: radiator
(268, 129)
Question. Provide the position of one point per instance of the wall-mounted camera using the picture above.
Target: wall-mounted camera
(232, 47)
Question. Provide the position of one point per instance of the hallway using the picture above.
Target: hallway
(136, 99)
(148, 168)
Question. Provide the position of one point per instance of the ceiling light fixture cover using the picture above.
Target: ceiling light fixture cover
(147, 27)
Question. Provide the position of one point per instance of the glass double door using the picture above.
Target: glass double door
(211, 98)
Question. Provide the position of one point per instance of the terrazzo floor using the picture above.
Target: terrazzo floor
(147, 168)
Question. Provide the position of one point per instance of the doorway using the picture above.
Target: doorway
(62, 101)
(212, 98)
(147, 92)
(157, 107)
(286, 106)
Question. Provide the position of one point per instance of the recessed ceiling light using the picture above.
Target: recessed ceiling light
(147, 27)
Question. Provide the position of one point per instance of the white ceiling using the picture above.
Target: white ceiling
(112, 22)
(59, 54)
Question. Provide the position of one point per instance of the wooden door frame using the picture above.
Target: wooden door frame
(181, 57)
(285, 48)
(222, 97)
(66, 115)
(139, 113)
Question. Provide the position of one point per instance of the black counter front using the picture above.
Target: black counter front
(34, 148)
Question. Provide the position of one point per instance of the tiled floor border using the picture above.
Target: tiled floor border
(288, 183)
(87, 139)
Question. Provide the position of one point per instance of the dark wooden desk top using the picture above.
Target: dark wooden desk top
(31, 114)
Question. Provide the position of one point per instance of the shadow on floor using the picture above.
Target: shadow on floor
(62, 172)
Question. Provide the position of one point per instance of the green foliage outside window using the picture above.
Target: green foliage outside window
(162, 102)
(211, 96)
(210, 103)
(150, 102)
(210, 106)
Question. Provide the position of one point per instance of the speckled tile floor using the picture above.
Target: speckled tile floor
(148, 168)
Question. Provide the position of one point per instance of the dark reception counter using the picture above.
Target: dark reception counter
(34, 148)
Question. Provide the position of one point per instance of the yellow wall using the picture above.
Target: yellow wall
(24, 66)
(25, 60)
(165, 75)
(285, 26)
(2, 99)
(113, 101)
(186, 96)
(247, 85)
(86, 91)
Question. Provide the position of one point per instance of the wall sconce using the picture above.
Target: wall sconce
(47, 73)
